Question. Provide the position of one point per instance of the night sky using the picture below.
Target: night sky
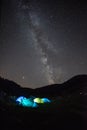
(42, 41)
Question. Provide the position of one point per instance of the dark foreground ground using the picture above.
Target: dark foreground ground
(68, 113)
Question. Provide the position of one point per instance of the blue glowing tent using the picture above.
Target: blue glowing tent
(27, 102)
(45, 100)
(19, 99)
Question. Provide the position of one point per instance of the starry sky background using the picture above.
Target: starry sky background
(42, 41)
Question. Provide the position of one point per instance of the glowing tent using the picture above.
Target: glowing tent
(45, 100)
(38, 100)
(19, 99)
(26, 102)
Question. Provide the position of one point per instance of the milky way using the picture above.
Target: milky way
(41, 43)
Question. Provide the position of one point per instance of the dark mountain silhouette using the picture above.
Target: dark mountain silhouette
(75, 84)
(12, 88)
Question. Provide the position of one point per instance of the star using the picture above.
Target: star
(23, 77)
